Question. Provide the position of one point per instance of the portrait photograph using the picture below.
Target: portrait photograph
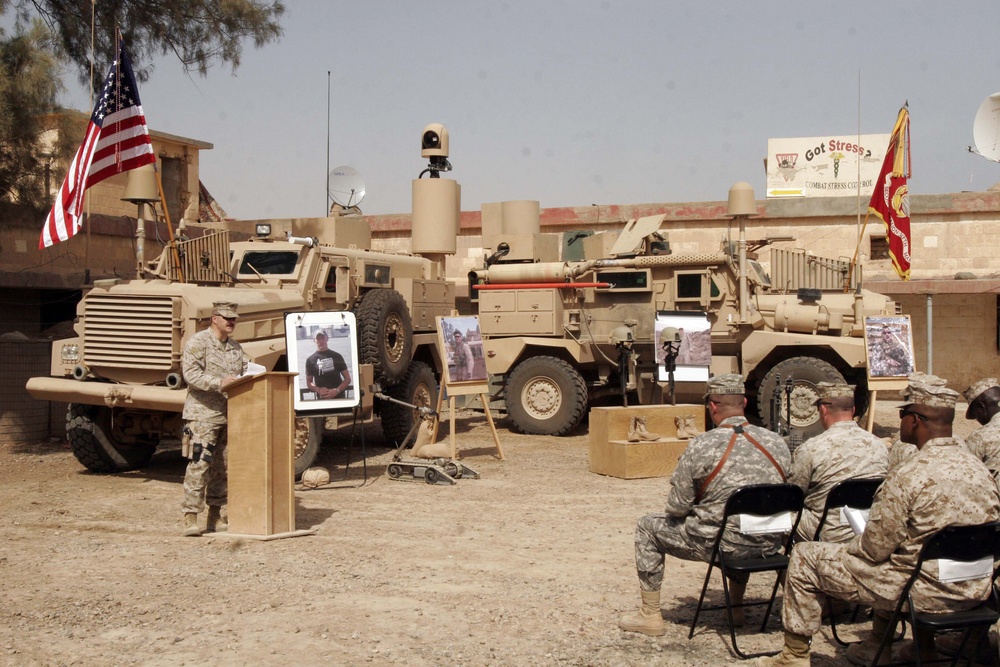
(889, 346)
(322, 349)
(688, 337)
(461, 345)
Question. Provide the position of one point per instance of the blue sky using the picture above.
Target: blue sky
(575, 103)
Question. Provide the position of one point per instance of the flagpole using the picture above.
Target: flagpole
(93, 31)
(326, 177)
(857, 278)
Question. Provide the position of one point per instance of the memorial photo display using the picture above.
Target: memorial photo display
(889, 345)
(461, 344)
(688, 338)
(322, 349)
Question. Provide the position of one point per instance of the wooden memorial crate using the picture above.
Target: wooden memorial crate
(612, 454)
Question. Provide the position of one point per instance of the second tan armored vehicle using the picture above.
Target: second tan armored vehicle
(554, 331)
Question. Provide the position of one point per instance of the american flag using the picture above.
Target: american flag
(117, 140)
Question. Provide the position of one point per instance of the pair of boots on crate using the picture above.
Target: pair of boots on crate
(637, 431)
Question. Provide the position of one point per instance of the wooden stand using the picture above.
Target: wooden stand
(881, 384)
(612, 454)
(262, 457)
(465, 390)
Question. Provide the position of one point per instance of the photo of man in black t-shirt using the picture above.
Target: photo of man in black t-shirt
(326, 371)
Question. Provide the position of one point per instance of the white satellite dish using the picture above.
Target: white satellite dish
(986, 129)
(345, 186)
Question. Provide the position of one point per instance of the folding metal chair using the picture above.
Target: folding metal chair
(760, 500)
(957, 543)
(856, 493)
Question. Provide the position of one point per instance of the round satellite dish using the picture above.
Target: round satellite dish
(986, 128)
(346, 186)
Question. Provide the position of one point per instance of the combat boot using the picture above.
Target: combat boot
(681, 424)
(642, 433)
(691, 427)
(191, 525)
(795, 653)
(218, 522)
(648, 619)
(633, 436)
(863, 653)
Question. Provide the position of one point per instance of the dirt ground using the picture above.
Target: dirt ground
(529, 565)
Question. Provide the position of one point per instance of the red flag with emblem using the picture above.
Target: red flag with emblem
(890, 200)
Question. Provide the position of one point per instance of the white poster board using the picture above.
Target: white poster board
(322, 349)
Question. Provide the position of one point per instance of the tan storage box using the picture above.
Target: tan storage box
(612, 454)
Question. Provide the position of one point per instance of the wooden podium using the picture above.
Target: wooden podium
(262, 456)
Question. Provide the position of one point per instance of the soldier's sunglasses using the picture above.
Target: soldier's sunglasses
(906, 411)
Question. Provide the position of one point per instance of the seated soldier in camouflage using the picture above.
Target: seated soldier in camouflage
(843, 451)
(712, 467)
(940, 484)
(984, 406)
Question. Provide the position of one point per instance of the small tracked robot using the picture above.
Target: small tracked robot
(431, 462)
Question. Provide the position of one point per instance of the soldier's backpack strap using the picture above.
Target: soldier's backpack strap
(766, 453)
(737, 430)
(718, 468)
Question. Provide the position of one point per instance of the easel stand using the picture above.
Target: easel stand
(465, 389)
(262, 458)
(875, 385)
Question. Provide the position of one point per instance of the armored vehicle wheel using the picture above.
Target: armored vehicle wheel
(546, 396)
(100, 441)
(386, 334)
(418, 387)
(395, 471)
(308, 438)
(431, 476)
(806, 373)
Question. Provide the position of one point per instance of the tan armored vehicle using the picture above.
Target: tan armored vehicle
(554, 338)
(121, 374)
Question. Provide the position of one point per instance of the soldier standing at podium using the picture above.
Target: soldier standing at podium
(212, 360)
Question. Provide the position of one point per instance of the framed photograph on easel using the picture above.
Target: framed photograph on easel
(322, 349)
(889, 347)
(461, 345)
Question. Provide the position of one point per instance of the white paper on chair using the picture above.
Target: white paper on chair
(960, 570)
(857, 518)
(751, 524)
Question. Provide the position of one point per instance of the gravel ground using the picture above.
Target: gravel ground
(529, 565)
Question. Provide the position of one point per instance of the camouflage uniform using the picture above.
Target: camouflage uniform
(207, 361)
(688, 527)
(941, 484)
(984, 443)
(844, 451)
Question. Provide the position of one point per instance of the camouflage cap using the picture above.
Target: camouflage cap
(828, 390)
(730, 383)
(225, 308)
(929, 390)
(978, 388)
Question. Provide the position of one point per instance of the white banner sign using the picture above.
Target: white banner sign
(824, 166)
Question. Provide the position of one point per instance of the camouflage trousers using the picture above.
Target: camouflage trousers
(658, 535)
(206, 480)
(817, 571)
